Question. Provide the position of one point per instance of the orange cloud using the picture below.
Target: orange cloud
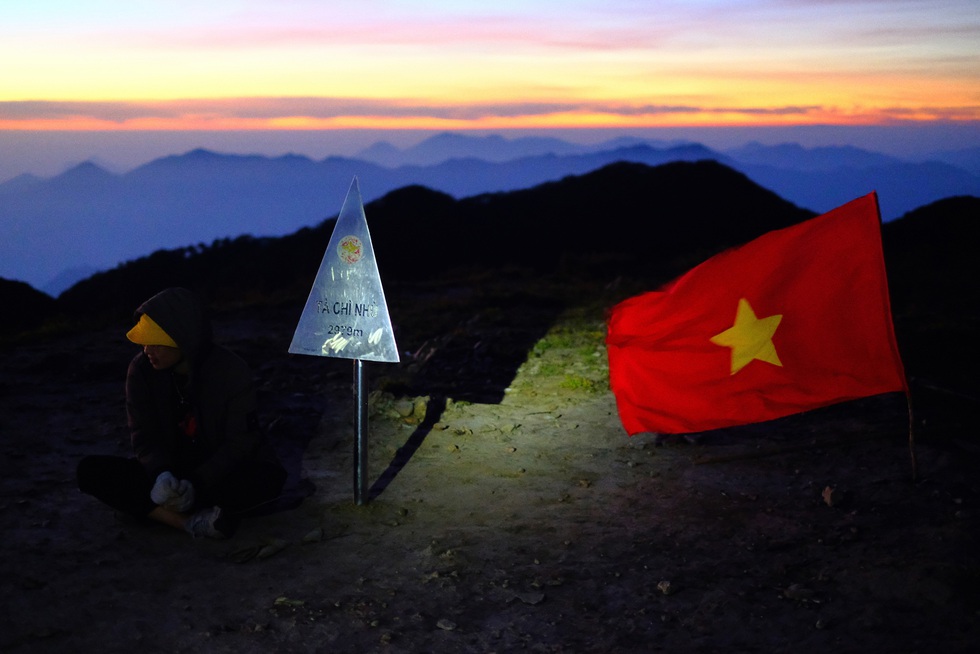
(354, 113)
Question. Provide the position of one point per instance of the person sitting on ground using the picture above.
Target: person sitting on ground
(200, 459)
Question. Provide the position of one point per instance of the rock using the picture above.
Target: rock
(797, 592)
(243, 555)
(530, 598)
(404, 408)
(314, 536)
(419, 408)
(272, 548)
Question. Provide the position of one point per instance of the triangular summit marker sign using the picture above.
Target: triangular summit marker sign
(346, 316)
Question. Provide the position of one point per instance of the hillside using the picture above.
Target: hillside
(934, 280)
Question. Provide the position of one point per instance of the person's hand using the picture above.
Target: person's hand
(164, 488)
(172, 493)
(183, 498)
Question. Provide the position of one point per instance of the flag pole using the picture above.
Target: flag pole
(908, 400)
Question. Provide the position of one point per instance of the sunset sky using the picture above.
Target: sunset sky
(139, 65)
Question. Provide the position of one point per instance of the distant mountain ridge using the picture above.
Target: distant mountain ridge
(579, 228)
(88, 218)
(582, 226)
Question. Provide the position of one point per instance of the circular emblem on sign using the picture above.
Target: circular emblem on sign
(350, 249)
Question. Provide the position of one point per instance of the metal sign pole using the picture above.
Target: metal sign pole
(346, 316)
(360, 434)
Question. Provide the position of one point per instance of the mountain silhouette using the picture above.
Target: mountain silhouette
(625, 226)
(934, 280)
(88, 218)
(645, 222)
(622, 219)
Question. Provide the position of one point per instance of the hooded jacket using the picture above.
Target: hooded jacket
(217, 392)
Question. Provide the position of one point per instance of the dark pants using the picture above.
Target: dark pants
(125, 485)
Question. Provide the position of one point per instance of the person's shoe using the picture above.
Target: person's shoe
(211, 523)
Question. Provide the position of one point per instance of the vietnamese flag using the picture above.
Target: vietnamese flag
(797, 319)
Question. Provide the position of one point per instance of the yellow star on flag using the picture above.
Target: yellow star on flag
(750, 337)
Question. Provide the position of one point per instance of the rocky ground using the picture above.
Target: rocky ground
(508, 509)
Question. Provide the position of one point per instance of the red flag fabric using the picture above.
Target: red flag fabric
(795, 320)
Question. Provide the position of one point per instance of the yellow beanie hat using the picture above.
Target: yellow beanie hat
(147, 332)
